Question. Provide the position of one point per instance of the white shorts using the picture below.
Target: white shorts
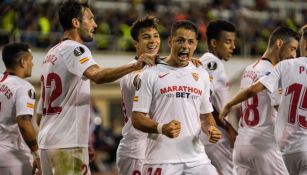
(296, 163)
(15, 162)
(68, 161)
(220, 155)
(16, 170)
(193, 168)
(129, 166)
(251, 160)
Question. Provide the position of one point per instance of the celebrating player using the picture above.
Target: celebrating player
(175, 95)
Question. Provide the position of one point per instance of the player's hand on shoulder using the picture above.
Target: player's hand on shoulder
(214, 134)
(145, 59)
(196, 62)
(172, 129)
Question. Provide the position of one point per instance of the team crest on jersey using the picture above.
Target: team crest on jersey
(79, 51)
(212, 65)
(31, 94)
(195, 76)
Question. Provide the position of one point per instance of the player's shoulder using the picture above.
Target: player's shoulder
(211, 62)
(69, 46)
(24, 83)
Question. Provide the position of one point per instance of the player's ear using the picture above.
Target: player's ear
(279, 42)
(170, 41)
(213, 43)
(75, 22)
(135, 43)
(22, 61)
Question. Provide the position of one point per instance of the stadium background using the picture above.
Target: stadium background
(35, 22)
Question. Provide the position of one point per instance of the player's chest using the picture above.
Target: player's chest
(179, 84)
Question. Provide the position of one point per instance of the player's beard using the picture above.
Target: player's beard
(85, 35)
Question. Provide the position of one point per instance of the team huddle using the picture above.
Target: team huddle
(175, 107)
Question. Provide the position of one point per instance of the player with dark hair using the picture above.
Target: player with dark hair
(290, 126)
(256, 150)
(17, 100)
(65, 92)
(221, 44)
(132, 147)
(172, 105)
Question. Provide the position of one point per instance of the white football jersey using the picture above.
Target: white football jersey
(17, 97)
(219, 86)
(291, 122)
(65, 96)
(258, 113)
(133, 143)
(168, 93)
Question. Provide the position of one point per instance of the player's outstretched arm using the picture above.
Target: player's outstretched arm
(105, 75)
(240, 97)
(145, 124)
(27, 131)
(208, 126)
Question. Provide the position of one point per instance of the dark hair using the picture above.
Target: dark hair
(186, 24)
(69, 10)
(141, 23)
(215, 28)
(283, 33)
(12, 52)
(303, 32)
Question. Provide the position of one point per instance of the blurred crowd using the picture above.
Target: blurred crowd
(36, 22)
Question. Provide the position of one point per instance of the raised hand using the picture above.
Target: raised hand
(145, 59)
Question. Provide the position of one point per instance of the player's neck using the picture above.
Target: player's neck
(272, 56)
(72, 35)
(16, 72)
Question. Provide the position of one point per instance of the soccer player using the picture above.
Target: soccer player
(175, 95)
(221, 44)
(17, 99)
(256, 153)
(132, 147)
(65, 92)
(290, 127)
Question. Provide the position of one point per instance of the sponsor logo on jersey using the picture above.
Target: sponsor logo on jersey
(30, 105)
(137, 83)
(79, 51)
(31, 93)
(195, 76)
(268, 73)
(136, 98)
(83, 60)
(212, 65)
(163, 75)
(188, 89)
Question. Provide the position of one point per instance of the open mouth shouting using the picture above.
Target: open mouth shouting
(183, 55)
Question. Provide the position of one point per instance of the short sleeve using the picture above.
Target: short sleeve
(271, 79)
(143, 93)
(25, 100)
(78, 58)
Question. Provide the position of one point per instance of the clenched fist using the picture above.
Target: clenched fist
(214, 134)
(171, 129)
